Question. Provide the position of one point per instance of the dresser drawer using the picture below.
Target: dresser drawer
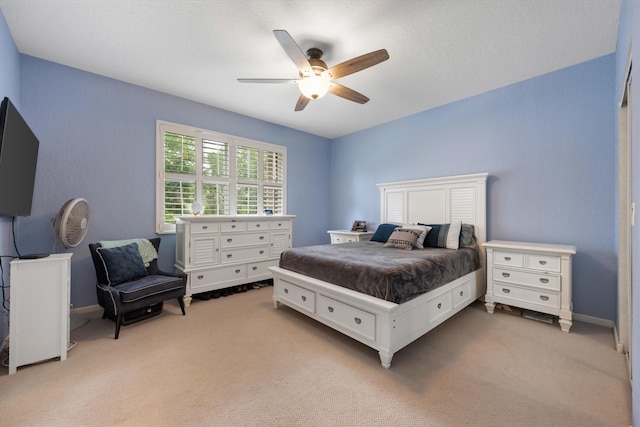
(505, 292)
(226, 227)
(216, 276)
(300, 297)
(261, 268)
(280, 225)
(244, 254)
(204, 227)
(244, 239)
(439, 307)
(258, 225)
(538, 280)
(511, 259)
(347, 317)
(542, 262)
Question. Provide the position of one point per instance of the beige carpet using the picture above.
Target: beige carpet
(236, 361)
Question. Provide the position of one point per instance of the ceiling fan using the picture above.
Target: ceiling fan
(316, 79)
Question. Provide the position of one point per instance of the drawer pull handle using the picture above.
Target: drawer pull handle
(200, 277)
(229, 255)
(507, 258)
(258, 225)
(255, 268)
(286, 291)
(330, 309)
(358, 320)
(542, 262)
(543, 280)
(304, 298)
(439, 305)
(461, 293)
(279, 224)
(261, 252)
(506, 274)
(204, 227)
(237, 271)
(261, 237)
(506, 291)
(233, 226)
(229, 240)
(544, 298)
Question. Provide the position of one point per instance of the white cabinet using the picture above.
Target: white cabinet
(39, 310)
(221, 251)
(346, 236)
(530, 275)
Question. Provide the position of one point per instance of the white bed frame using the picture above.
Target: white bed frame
(382, 325)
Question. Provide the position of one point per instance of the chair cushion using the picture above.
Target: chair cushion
(148, 286)
(122, 263)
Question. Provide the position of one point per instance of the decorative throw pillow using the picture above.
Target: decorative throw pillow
(468, 237)
(444, 235)
(122, 263)
(423, 230)
(383, 232)
(402, 238)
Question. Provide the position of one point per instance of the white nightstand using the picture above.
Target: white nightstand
(534, 276)
(346, 236)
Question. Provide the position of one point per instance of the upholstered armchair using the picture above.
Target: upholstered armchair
(130, 285)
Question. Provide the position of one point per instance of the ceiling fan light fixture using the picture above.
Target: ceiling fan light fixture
(314, 87)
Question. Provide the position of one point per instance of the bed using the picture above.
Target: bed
(388, 322)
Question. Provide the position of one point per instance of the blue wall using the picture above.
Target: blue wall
(10, 87)
(97, 141)
(549, 146)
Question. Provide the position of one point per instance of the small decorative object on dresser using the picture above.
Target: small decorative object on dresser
(534, 276)
(346, 236)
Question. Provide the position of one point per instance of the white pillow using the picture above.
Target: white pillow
(453, 236)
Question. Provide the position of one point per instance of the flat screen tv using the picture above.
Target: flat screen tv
(18, 159)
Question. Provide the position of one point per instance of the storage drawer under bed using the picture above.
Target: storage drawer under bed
(347, 317)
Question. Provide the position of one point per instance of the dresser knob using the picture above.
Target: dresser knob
(358, 320)
(544, 298)
(204, 227)
(255, 268)
(261, 252)
(200, 277)
(439, 305)
(543, 280)
(461, 293)
(229, 240)
(507, 258)
(286, 291)
(304, 298)
(261, 237)
(330, 309)
(506, 274)
(505, 290)
(229, 255)
(542, 262)
(237, 271)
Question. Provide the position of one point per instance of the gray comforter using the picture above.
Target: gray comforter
(395, 275)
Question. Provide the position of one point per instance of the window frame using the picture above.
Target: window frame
(232, 180)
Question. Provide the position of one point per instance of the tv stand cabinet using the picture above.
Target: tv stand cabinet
(39, 310)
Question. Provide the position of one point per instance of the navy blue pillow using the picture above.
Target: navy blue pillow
(383, 232)
(122, 263)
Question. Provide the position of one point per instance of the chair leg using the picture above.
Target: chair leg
(104, 314)
(118, 324)
(181, 302)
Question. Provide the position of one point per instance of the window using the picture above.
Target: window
(227, 174)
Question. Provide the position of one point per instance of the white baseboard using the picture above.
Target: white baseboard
(593, 320)
(86, 309)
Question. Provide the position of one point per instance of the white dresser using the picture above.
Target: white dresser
(534, 276)
(217, 252)
(346, 236)
(39, 316)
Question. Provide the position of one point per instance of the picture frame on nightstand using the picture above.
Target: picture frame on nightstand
(359, 225)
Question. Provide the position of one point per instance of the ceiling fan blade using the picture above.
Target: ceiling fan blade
(346, 93)
(302, 102)
(268, 80)
(357, 64)
(293, 50)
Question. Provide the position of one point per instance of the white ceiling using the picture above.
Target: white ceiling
(440, 50)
